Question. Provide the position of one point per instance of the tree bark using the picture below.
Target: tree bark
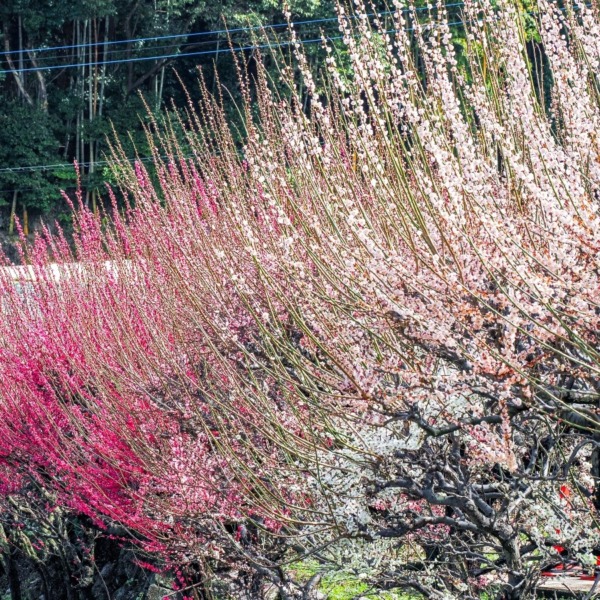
(13, 209)
(18, 75)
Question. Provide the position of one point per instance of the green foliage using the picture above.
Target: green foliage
(55, 117)
(343, 586)
(529, 21)
(27, 138)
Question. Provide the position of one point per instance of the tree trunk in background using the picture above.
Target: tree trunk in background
(42, 92)
(19, 76)
(21, 50)
(92, 99)
(25, 220)
(84, 40)
(13, 209)
(9, 552)
(76, 91)
(14, 582)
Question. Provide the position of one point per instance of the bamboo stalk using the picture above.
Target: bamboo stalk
(13, 207)
(25, 220)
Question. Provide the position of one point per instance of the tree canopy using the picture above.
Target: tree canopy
(69, 78)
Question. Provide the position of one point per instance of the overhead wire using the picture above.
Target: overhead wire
(28, 168)
(173, 36)
(101, 45)
(84, 164)
(212, 32)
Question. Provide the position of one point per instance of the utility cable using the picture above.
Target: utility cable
(102, 44)
(27, 168)
(186, 54)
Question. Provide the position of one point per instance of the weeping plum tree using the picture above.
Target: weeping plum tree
(370, 339)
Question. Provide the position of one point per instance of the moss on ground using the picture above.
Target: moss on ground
(342, 585)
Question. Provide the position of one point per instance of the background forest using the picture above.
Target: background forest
(72, 72)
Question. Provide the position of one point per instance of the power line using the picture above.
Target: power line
(117, 51)
(170, 37)
(122, 50)
(194, 34)
(165, 56)
(103, 44)
(206, 52)
(150, 158)
(184, 54)
(96, 163)
(31, 189)
(145, 58)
